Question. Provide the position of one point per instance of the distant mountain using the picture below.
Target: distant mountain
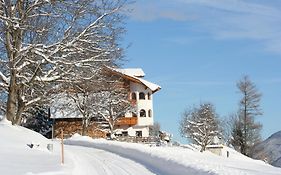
(270, 150)
(277, 162)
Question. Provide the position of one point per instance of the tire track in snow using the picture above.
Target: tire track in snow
(91, 161)
(156, 165)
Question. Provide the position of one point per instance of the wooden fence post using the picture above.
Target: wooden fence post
(62, 148)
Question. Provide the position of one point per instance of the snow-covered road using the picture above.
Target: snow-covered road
(109, 159)
(91, 161)
(84, 155)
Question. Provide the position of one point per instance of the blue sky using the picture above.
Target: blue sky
(197, 50)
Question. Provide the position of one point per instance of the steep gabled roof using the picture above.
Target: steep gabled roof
(135, 76)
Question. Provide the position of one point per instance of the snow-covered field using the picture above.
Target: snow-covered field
(100, 157)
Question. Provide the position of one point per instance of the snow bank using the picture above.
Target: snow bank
(178, 160)
(155, 163)
(18, 158)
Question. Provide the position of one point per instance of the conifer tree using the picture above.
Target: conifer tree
(246, 131)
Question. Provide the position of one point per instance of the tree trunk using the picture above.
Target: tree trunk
(245, 125)
(13, 45)
(84, 128)
(111, 127)
(21, 107)
(12, 98)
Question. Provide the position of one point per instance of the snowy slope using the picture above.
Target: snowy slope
(103, 157)
(17, 158)
(178, 160)
(270, 149)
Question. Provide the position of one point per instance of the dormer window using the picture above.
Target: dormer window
(142, 113)
(141, 96)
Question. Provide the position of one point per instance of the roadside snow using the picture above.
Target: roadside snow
(84, 156)
(178, 160)
(17, 158)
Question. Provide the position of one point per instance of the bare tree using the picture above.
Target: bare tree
(154, 130)
(44, 43)
(82, 98)
(246, 131)
(112, 102)
(200, 125)
(227, 125)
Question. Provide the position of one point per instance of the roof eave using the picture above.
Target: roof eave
(131, 78)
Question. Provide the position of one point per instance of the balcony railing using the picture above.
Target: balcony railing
(127, 121)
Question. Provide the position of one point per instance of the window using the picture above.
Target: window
(134, 96)
(149, 113)
(138, 133)
(142, 113)
(149, 96)
(141, 96)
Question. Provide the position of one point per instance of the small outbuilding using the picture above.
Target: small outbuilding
(216, 149)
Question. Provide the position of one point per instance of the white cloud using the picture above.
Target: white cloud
(237, 6)
(237, 19)
(152, 10)
(222, 19)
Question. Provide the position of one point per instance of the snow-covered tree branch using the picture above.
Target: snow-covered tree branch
(45, 43)
(112, 102)
(103, 99)
(200, 125)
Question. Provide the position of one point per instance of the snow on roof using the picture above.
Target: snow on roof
(152, 86)
(138, 71)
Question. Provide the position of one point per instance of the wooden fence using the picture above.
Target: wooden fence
(147, 140)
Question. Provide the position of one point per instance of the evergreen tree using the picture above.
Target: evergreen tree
(41, 122)
(237, 135)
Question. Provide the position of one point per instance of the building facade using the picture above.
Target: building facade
(141, 97)
(135, 124)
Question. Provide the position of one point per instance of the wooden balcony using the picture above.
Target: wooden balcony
(127, 121)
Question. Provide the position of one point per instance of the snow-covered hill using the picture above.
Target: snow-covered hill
(270, 149)
(103, 157)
